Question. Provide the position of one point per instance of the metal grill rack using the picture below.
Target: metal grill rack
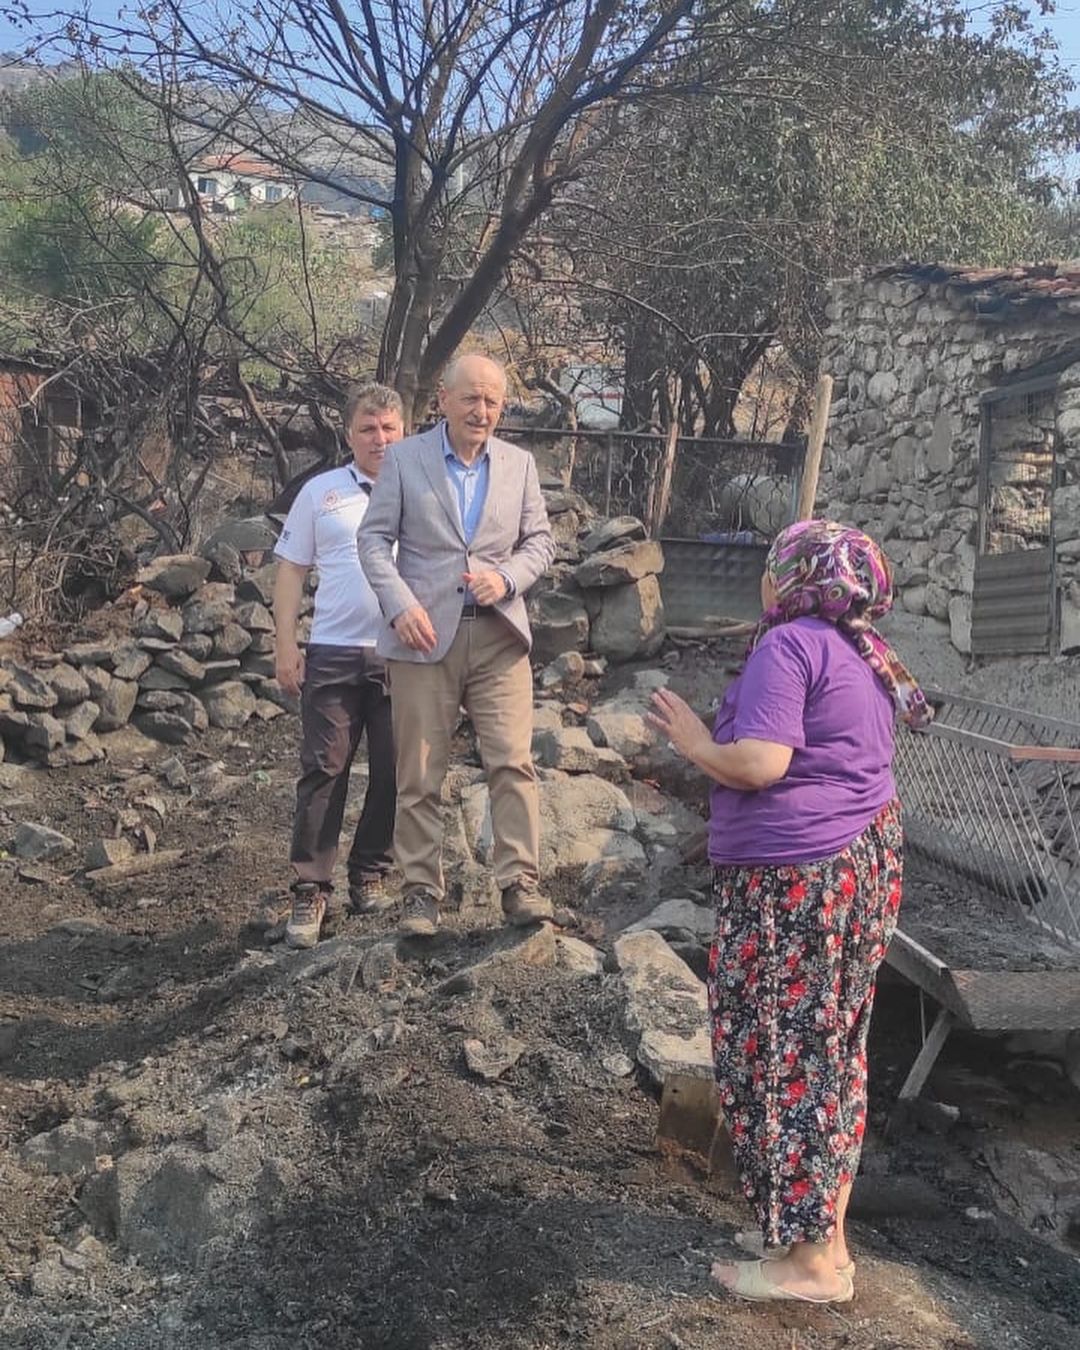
(992, 808)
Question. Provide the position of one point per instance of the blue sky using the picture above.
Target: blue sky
(1065, 24)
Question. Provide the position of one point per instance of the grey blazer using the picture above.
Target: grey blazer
(414, 506)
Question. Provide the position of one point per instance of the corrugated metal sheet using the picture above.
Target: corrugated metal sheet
(1012, 607)
(705, 584)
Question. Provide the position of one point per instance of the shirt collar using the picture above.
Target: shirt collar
(450, 454)
(358, 475)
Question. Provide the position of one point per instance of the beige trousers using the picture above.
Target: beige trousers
(486, 671)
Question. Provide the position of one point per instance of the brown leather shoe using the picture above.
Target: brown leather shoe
(523, 904)
(368, 894)
(420, 917)
(308, 912)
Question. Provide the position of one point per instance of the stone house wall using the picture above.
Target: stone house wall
(911, 350)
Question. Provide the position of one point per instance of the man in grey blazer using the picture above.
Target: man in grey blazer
(465, 512)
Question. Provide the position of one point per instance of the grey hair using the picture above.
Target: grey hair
(371, 397)
(453, 368)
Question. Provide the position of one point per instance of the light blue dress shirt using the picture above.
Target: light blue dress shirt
(470, 484)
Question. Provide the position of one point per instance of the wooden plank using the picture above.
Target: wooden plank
(927, 1056)
(815, 446)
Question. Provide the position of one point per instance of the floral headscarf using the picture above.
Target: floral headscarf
(828, 571)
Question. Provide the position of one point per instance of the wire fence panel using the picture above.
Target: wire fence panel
(717, 487)
(992, 802)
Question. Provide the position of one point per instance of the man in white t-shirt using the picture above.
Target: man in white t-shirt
(340, 679)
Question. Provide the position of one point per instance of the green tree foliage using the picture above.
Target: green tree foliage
(86, 171)
(710, 229)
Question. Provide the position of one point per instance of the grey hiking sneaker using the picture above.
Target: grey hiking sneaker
(368, 894)
(523, 904)
(420, 917)
(308, 912)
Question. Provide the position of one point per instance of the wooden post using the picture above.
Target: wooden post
(607, 474)
(667, 472)
(815, 444)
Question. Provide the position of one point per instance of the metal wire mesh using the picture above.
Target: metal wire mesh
(726, 487)
(992, 802)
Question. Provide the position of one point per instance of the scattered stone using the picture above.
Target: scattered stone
(130, 661)
(168, 727)
(159, 680)
(664, 822)
(272, 691)
(266, 711)
(678, 917)
(71, 1149)
(210, 608)
(117, 702)
(666, 1006)
(627, 621)
(80, 722)
(583, 818)
(255, 617)
(87, 751)
(565, 669)
(258, 585)
(176, 575)
(577, 957)
(618, 566)
(159, 700)
(108, 852)
(228, 705)
(262, 644)
(97, 680)
(570, 749)
(166, 625)
(611, 533)
(13, 724)
(215, 672)
(248, 535)
(231, 640)
(622, 728)
(69, 685)
(379, 966)
(178, 662)
(89, 654)
(559, 623)
(261, 664)
(198, 645)
(174, 772)
(38, 843)
(617, 1064)
(492, 1059)
(225, 560)
(27, 689)
(43, 732)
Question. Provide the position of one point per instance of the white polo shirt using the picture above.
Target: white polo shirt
(320, 531)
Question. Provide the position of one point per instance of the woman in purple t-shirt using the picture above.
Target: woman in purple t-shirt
(805, 841)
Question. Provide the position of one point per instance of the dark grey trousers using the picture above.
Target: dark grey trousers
(344, 694)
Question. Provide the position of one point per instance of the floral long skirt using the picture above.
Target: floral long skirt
(791, 989)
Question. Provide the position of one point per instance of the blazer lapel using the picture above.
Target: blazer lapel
(431, 457)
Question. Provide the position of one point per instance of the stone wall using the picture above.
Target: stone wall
(192, 645)
(910, 358)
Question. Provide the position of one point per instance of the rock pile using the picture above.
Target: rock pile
(198, 653)
(603, 594)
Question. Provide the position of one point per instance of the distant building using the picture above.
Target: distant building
(233, 181)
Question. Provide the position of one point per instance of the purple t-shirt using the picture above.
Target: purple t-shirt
(805, 686)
